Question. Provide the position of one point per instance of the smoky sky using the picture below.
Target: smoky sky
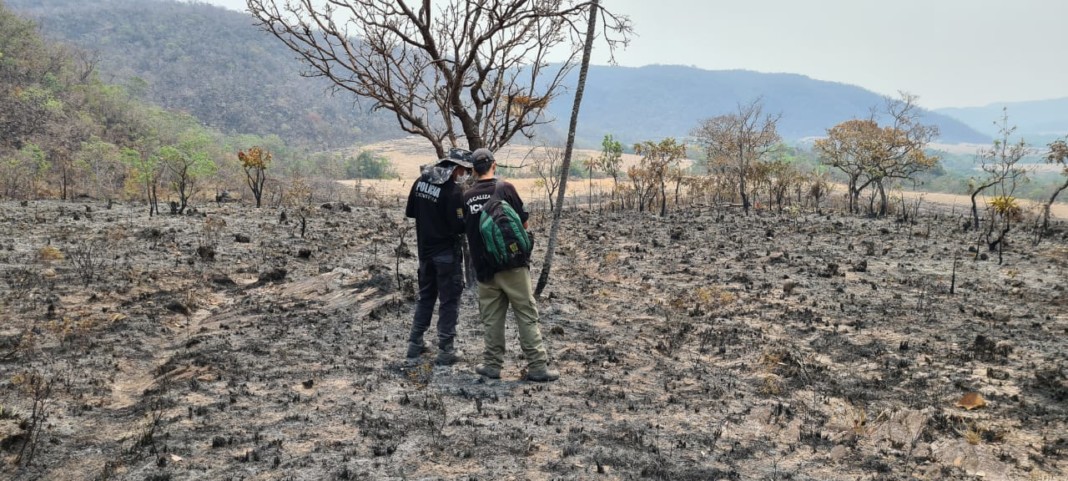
(951, 53)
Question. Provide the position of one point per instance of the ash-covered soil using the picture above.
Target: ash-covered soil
(705, 345)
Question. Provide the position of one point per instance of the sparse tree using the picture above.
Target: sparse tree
(255, 162)
(23, 171)
(611, 161)
(866, 151)
(783, 177)
(739, 139)
(1058, 154)
(67, 132)
(842, 149)
(187, 163)
(819, 186)
(643, 182)
(102, 160)
(999, 163)
(447, 70)
(547, 167)
(587, 48)
(658, 159)
(898, 152)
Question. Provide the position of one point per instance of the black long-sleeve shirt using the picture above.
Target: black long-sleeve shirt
(473, 199)
(439, 215)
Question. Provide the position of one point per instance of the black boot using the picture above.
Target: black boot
(447, 354)
(416, 347)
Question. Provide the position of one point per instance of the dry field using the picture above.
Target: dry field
(409, 154)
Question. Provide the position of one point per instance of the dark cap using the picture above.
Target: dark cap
(482, 157)
(459, 157)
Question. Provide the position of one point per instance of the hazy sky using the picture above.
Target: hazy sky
(951, 53)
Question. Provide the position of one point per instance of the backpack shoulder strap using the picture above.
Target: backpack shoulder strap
(497, 190)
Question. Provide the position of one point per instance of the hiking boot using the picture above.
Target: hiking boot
(543, 375)
(447, 357)
(488, 371)
(415, 350)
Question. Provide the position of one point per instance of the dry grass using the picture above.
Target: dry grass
(50, 253)
(407, 155)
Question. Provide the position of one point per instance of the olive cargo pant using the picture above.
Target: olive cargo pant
(510, 287)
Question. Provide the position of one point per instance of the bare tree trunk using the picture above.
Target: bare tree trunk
(741, 190)
(883, 207)
(543, 279)
(1049, 205)
(975, 210)
(663, 198)
(589, 200)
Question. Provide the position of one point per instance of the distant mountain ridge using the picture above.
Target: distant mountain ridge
(656, 101)
(1035, 120)
(215, 64)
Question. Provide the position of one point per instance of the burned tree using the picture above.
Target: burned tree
(740, 139)
(547, 167)
(658, 160)
(999, 163)
(1058, 154)
(447, 70)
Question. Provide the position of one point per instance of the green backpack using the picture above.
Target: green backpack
(508, 245)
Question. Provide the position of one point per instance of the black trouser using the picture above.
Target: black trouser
(440, 278)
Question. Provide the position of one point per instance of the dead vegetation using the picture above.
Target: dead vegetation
(699, 345)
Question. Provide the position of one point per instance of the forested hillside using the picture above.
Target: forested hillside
(65, 133)
(211, 62)
(55, 116)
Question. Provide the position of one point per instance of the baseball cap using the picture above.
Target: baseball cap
(482, 157)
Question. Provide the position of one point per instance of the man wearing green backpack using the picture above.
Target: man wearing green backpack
(494, 212)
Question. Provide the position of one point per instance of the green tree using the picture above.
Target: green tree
(23, 171)
(104, 164)
(188, 163)
(369, 165)
(611, 161)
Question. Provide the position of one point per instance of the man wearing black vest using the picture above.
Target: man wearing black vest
(499, 289)
(435, 204)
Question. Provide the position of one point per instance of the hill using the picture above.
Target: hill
(1037, 121)
(657, 101)
(208, 61)
(215, 64)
